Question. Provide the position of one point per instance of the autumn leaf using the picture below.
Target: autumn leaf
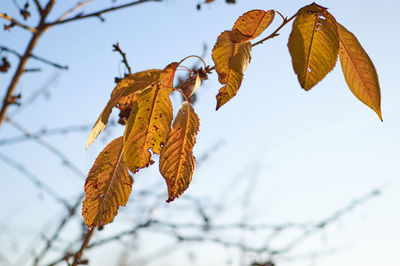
(177, 162)
(107, 186)
(359, 71)
(313, 44)
(167, 76)
(231, 60)
(148, 126)
(250, 25)
(122, 94)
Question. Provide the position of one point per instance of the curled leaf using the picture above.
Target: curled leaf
(107, 186)
(359, 71)
(177, 162)
(231, 60)
(250, 25)
(148, 126)
(313, 44)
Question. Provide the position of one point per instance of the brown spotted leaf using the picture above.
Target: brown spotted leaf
(123, 94)
(148, 126)
(251, 24)
(313, 44)
(231, 60)
(177, 162)
(359, 71)
(107, 186)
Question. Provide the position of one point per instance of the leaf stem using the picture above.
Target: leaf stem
(275, 33)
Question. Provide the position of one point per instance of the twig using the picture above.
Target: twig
(17, 23)
(38, 6)
(73, 9)
(100, 12)
(124, 60)
(85, 243)
(34, 179)
(41, 59)
(330, 219)
(46, 132)
(57, 232)
(49, 147)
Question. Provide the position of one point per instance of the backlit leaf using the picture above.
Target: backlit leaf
(177, 162)
(107, 186)
(148, 126)
(313, 44)
(359, 71)
(231, 60)
(122, 94)
(167, 76)
(251, 24)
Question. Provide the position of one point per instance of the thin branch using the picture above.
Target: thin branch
(73, 9)
(85, 243)
(57, 232)
(275, 33)
(38, 6)
(101, 12)
(124, 60)
(41, 59)
(46, 132)
(17, 23)
(49, 147)
(34, 179)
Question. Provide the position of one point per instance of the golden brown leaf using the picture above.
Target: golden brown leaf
(359, 71)
(167, 76)
(177, 162)
(231, 60)
(251, 24)
(148, 126)
(125, 88)
(313, 44)
(107, 186)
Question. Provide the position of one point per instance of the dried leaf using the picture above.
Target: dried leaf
(313, 44)
(177, 162)
(167, 76)
(107, 186)
(125, 88)
(231, 60)
(251, 24)
(359, 71)
(148, 126)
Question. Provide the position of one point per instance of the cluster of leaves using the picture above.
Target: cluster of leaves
(315, 42)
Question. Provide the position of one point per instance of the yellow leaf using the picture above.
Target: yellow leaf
(122, 94)
(107, 186)
(231, 60)
(313, 44)
(359, 71)
(177, 162)
(251, 24)
(148, 126)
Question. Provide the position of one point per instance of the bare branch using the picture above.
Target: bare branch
(73, 9)
(124, 60)
(34, 179)
(46, 132)
(17, 23)
(101, 12)
(85, 243)
(49, 147)
(57, 232)
(41, 59)
(38, 6)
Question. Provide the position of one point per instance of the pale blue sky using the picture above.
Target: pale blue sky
(315, 151)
